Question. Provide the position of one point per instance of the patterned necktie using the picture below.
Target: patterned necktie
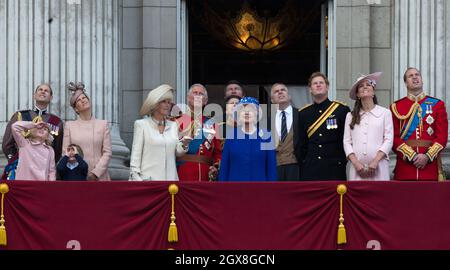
(283, 126)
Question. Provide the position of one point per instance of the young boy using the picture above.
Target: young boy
(72, 167)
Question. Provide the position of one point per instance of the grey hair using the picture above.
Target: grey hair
(277, 84)
(198, 85)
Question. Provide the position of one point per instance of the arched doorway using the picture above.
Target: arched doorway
(204, 58)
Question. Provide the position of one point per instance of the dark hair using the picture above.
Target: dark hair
(231, 97)
(234, 82)
(80, 151)
(49, 87)
(318, 74)
(356, 117)
(408, 69)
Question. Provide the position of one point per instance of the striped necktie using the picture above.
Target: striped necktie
(283, 126)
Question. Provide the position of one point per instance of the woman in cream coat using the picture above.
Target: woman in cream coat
(368, 134)
(90, 134)
(156, 141)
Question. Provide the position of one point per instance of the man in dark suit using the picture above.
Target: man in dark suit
(285, 133)
(320, 150)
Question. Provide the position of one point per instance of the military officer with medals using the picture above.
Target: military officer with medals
(320, 150)
(420, 132)
(43, 95)
(201, 162)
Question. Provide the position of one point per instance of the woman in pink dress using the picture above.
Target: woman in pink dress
(368, 135)
(91, 134)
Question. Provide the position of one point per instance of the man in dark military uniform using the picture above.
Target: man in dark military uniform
(320, 151)
(43, 95)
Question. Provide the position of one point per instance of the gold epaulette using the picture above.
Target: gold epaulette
(304, 107)
(340, 102)
(407, 152)
(406, 116)
(433, 151)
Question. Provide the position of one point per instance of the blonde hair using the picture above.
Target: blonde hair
(48, 141)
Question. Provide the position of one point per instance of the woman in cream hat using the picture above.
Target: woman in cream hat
(156, 141)
(92, 135)
(368, 134)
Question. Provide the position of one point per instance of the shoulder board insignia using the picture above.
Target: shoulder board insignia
(25, 115)
(432, 100)
(340, 102)
(400, 99)
(304, 107)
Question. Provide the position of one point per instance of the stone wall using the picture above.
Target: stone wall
(148, 55)
(58, 41)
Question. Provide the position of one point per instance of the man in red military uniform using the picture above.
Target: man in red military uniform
(201, 162)
(420, 132)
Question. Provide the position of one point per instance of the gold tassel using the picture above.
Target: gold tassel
(173, 231)
(441, 173)
(3, 190)
(342, 235)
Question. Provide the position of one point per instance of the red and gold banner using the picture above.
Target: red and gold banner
(232, 216)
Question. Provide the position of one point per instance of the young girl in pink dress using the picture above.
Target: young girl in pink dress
(36, 155)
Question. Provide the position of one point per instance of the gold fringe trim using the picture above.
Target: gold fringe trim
(441, 173)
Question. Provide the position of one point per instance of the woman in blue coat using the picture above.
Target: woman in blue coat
(249, 152)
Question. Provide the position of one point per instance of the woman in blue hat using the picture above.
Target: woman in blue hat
(249, 152)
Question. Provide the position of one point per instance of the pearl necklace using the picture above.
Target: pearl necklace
(161, 123)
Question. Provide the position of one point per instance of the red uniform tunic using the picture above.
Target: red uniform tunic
(420, 127)
(204, 151)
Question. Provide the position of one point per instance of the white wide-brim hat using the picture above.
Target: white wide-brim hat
(373, 78)
(155, 96)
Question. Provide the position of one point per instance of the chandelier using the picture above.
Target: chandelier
(247, 30)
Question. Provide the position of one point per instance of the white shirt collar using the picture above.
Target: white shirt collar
(377, 111)
(72, 165)
(288, 110)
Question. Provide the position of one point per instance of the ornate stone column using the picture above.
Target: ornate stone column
(58, 41)
(422, 39)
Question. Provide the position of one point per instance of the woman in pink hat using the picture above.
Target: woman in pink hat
(368, 135)
(91, 134)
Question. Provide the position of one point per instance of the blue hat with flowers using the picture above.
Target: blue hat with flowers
(249, 100)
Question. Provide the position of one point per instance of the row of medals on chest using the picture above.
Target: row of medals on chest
(333, 124)
(429, 118)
